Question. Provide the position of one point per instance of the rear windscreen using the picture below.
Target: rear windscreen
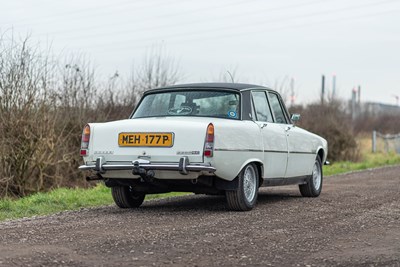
(220, 104)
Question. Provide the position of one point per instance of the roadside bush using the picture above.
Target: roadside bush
(32, 157)
(44, 104)
(331, 122)
(383, 123)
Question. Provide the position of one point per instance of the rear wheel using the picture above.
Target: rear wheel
(125, 197)
(313, 187)
(245, 196)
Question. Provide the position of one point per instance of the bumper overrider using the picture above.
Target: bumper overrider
(145, 167)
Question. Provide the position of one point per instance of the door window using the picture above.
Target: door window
(277, 108)
(263, 112)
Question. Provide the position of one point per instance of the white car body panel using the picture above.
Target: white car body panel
(189, 134)
(280, 150)
(303, 147)
(275, 150)
(235, 143)
(234, 140)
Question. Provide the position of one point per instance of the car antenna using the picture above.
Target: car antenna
(230, 75)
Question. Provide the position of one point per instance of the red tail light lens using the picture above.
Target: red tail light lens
(85, 140)
(209, 142)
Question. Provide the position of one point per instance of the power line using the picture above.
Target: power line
(241, 26)
(222, 17)
(141, 20)
(224, 36)
(120, 4)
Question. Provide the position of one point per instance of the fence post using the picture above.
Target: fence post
(386, 144)
(373, 141)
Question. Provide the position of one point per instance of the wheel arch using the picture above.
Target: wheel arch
(259, 165)
(321, 154)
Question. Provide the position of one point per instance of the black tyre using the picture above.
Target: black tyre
(313, 187)
(125, 197)
(245, 196)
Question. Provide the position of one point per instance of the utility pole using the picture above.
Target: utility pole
(334, 86)
(359, 94)
(322, 89)
(353, 103)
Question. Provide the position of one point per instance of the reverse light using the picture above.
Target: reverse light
(85, 140)
(209, 142)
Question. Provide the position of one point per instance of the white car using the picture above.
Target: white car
(211, 138)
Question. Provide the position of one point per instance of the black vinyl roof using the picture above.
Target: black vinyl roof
(232, 86)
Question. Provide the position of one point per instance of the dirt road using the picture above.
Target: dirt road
(355, 222)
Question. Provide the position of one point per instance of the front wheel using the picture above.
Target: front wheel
(125, 197)
(313, 187)
(245, 196)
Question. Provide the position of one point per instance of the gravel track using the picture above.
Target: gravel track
(355, 222)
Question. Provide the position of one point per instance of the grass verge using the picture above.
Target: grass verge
(72, 199)
(61, 199)
(370, 160)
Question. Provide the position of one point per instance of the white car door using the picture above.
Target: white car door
(274, 138)
(301, 153)
(301, 156)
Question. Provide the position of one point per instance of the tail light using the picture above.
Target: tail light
(85, 140)
(209, 142)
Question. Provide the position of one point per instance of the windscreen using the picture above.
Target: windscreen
(220, 104)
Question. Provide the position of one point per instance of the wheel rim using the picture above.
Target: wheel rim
(317, 177)
(249, 183)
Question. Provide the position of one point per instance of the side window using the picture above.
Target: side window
(263, 112)
(277, 108)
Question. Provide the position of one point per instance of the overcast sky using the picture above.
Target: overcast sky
(261, 41)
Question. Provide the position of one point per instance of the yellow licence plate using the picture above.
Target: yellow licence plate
(146, 139)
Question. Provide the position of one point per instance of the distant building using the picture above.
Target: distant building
(377, 109)
(358, 109)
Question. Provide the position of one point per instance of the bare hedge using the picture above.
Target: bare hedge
(334, 124)
(44, 104)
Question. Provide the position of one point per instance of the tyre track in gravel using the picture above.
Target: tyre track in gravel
(355, 222)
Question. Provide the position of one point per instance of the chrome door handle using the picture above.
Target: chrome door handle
(287, 128)
(263, 125)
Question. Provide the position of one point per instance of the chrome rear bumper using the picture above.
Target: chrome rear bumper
(138, 165)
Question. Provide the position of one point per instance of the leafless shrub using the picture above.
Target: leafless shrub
(384, 123)
(44, 105)
(331, 122)
(27, 119)
(157, 70)
(284, 87)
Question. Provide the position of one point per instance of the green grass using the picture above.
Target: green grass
(60, 200)
(72, 199)
(370, 161)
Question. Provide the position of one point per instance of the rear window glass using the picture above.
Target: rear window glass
(218, 104)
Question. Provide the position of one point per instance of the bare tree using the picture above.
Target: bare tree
(158, 70)
(228, 75)
(26, 119)
(45, 102)
(283, 86)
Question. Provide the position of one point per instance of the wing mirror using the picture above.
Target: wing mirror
(295, 118)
